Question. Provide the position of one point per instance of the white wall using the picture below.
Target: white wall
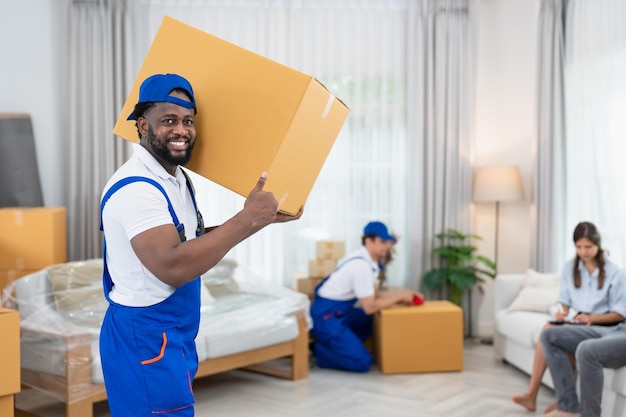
(30, 81)
(505, 128)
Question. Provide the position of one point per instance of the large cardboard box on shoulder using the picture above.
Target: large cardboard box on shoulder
(32, 238)
(254, 114)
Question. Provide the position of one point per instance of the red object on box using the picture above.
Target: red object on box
(417, 300)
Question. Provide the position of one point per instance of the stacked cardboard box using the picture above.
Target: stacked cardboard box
(9, 359)
(327, 254)
(31, 238)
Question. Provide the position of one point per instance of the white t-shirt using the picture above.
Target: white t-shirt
(355, 278)
(133, 209)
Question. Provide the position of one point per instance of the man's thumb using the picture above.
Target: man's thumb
(261, 182)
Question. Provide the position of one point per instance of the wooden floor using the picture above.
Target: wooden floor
(483, 389)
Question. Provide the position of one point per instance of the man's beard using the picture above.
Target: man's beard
(160, 149)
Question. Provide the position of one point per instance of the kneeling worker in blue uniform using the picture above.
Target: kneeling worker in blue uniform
(339, 326)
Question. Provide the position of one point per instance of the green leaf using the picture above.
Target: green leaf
(435, 278)
(487, 262)
(458, 263)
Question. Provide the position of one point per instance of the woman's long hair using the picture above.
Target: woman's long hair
(589, 231)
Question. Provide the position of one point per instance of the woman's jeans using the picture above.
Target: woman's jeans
(595, 347)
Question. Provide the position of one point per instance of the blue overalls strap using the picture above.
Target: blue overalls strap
(129, 180)
(180, 227)
(200, 224)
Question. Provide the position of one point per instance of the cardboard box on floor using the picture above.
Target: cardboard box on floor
(320, 268)
(330, 249)
(9, 352)
(32, 237)
(423, 338)
(254, 114)
(6, 406)
(307, 286)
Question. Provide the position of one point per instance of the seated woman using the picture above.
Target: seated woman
(590, 284)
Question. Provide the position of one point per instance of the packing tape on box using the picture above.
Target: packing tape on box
(18, 218)
(329, 104)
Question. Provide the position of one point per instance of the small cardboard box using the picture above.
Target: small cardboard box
(32, 237)
(7, 406)
(320, 268)
(254, 114)
(9, 352)
(307, 286)
(423, 338)
(330, 249)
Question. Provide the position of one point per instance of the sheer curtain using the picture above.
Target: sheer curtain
(358, 50)
(98, 78)
(549, 184)
(440, 128)
(595, 97)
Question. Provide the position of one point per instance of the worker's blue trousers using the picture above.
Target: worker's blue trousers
(339, 330)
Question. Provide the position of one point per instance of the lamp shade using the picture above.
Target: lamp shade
(497, 183)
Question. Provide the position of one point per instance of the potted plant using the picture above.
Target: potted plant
(459, 268)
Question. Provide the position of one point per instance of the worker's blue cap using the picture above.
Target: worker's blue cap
(157, 89)
(378, 229)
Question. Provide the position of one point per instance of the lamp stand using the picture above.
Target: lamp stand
(495, 258)
(489, 340)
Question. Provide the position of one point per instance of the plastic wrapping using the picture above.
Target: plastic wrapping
(61, 309)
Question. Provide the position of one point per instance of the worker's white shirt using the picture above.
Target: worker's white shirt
(355, 278)
(133, 209)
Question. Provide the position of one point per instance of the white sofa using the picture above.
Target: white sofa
(244, 322)
(517, 330)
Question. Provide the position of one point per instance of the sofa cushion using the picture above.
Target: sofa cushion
(539, 292)
(522, 326)
(616, 379)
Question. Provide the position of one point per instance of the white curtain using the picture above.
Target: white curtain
(440, 129)
(595, 97)
(100, 61)
(549, 185)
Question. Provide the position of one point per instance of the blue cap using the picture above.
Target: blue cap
(378, 229)
(157, 89)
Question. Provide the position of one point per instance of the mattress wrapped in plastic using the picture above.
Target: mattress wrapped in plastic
(61, 309)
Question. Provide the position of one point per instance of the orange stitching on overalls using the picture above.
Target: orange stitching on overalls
(148, 361)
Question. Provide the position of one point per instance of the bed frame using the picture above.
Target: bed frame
(80, 394)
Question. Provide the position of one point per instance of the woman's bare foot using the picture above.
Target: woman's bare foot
(551, 407)
(526, 401)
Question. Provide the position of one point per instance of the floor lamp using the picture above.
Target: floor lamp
(497, 184)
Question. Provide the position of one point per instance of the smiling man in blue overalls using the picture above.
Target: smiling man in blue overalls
(155, 250)
(339, 326)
